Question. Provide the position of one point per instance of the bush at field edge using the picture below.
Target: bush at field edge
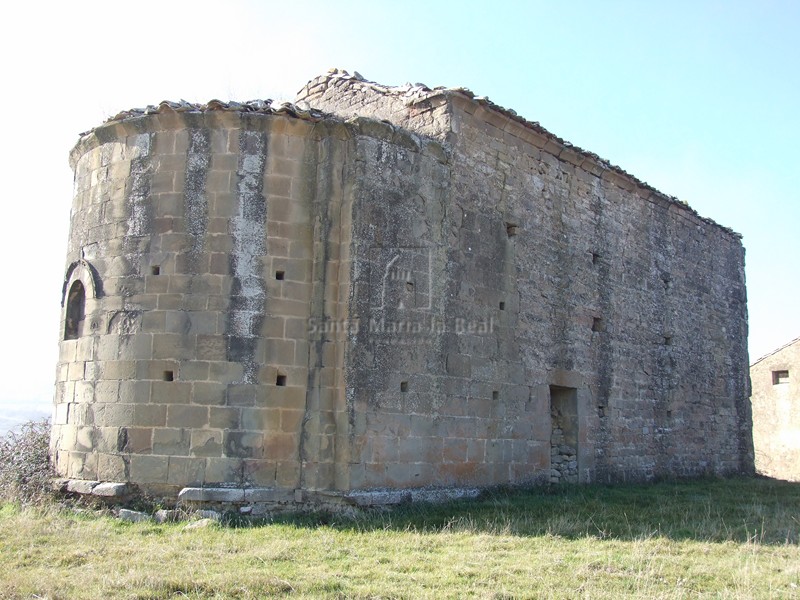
(25, 470)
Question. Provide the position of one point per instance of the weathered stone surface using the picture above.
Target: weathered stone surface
(59, 485)
(268, 495)
(212, 495)
(261, 303)
(201, 524)
(208, 514)
(167, 516)
(133, 516)
(80, 486)
(111, 490)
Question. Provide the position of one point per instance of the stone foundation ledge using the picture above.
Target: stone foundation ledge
(240, 498)
(369, 498)
(99, 489)
(205, 495)
(362, 499)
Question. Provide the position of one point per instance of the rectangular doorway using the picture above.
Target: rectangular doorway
(564, 434)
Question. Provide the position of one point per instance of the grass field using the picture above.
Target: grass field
(738, 538)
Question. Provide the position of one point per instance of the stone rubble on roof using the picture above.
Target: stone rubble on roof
(266, 107)
(419, 92)
(413, 93)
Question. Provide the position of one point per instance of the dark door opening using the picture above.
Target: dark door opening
(564, 435)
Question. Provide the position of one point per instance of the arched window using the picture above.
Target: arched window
(76, 310)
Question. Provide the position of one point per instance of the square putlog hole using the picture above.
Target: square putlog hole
(511, 229)
(280, 380)
(280, 275)
(169, 376)
(155, 270)
(598, 325)
(779, 377)
(403, 386)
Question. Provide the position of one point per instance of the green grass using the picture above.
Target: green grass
(738, 538)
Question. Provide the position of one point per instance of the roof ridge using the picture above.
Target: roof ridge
(768, 354)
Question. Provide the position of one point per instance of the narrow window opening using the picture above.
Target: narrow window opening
(409, 286)
(668, 340)
(76, 311)
(280, 275)
(502, 306)
(598, 325)
(601, 411)
(511, 229)
(155, 270)
(495, 395)
(403, 386)
(169, 375)
(280, 380)
(669, 414)
(595, 258)
(779, 377)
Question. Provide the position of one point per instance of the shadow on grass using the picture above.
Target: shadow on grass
(743, 510)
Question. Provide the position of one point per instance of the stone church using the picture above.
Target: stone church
(385, 288)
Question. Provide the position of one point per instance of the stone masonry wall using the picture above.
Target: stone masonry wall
(641, 301)
(200, 237)
(425, 414)
(776, 412)
(214, 249)
(595, 283)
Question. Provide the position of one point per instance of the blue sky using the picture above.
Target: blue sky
(699, 99)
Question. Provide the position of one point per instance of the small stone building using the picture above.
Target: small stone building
(776, 412)
(393, 288)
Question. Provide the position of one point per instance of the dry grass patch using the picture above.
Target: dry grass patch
(729, 539)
